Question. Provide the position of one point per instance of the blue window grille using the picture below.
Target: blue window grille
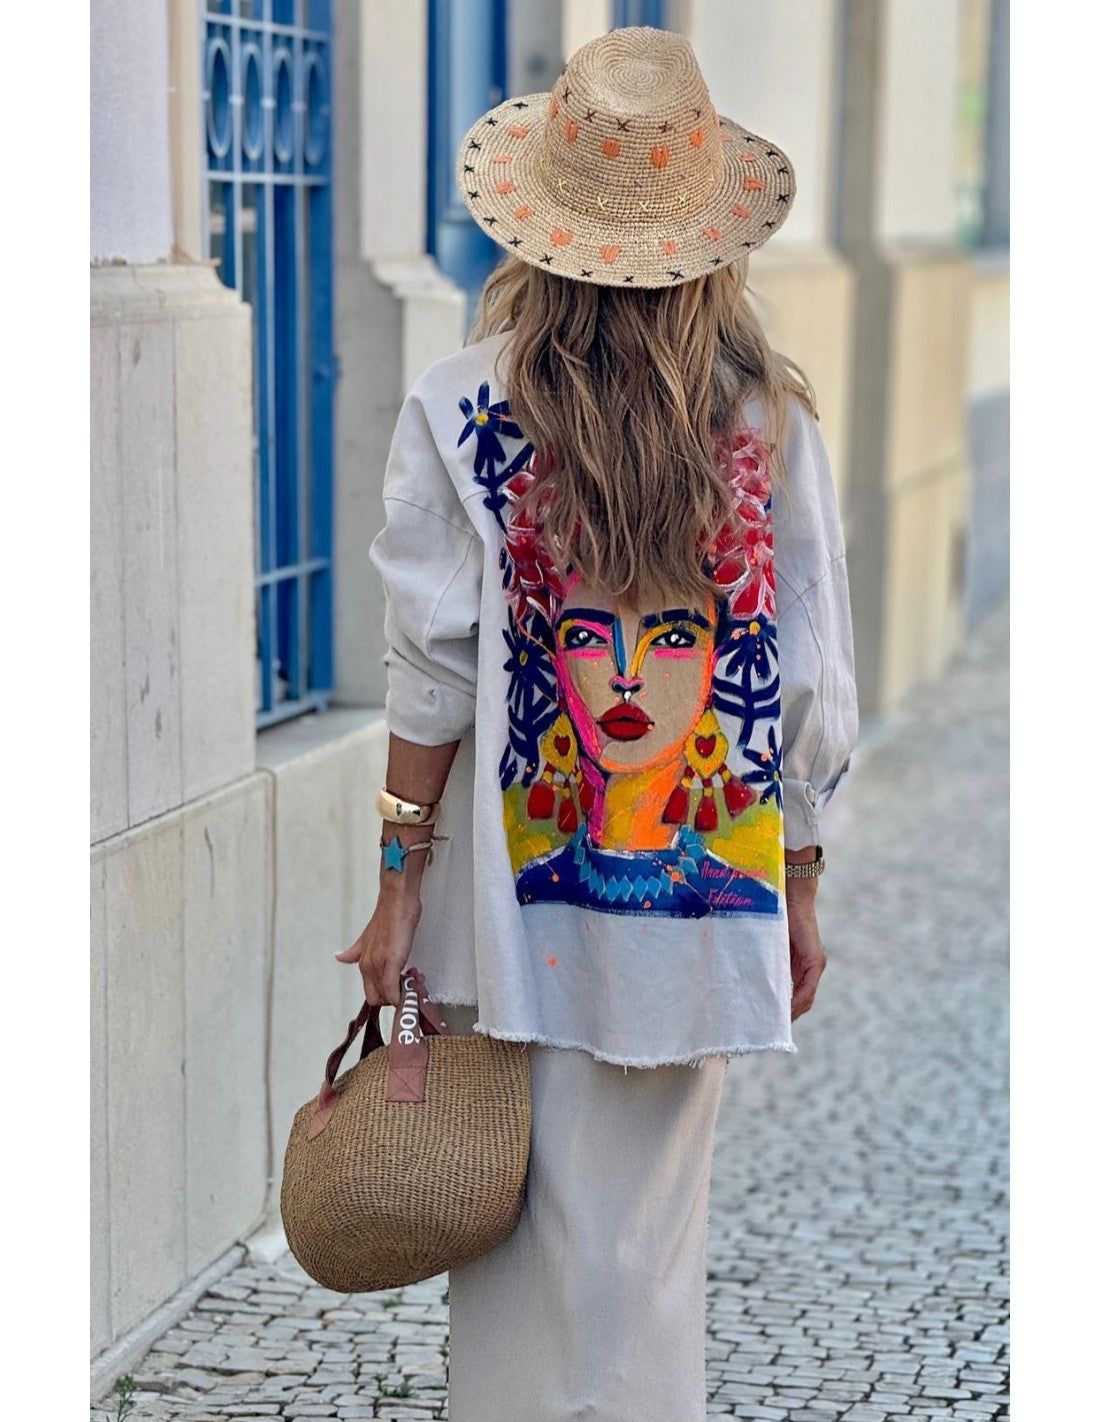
(467, 74)
(638, 12)
(267, 76)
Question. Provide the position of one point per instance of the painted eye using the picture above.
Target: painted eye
(575, 637)
(674, 637)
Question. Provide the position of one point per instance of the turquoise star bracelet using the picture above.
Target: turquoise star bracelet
(394, 852)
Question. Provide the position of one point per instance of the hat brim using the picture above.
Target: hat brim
(509, 199)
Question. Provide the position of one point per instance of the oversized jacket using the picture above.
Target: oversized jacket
(609, 874)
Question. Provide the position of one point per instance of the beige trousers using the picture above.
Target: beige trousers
(596, 1306)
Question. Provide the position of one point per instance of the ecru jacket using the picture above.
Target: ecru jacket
(612, 877)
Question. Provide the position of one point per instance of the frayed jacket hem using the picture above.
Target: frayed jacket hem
(615, 1059)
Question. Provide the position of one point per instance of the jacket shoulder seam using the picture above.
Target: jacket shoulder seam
(434, 513)
(799, 597)
(446, 588)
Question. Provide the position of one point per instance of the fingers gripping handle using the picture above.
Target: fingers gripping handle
(407, 1068)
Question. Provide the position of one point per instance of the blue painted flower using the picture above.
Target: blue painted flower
(487, 423)
(532, 704)
(529, 666)
(750, 646)
(769, 770)
(746, 679)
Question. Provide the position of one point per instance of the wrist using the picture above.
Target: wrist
(405, 851)
(400, 889)
(801, 901)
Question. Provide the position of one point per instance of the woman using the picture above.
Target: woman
(619, 634)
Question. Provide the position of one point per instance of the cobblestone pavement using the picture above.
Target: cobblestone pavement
(859, 1213)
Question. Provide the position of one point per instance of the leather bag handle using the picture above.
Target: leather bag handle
(407, 1068)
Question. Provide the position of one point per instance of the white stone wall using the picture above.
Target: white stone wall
(172, 679)
(227, 867)
(131, 191)
(181, 889)
(180, 821)
(918, 121)
(325, 772)
(179, 1128)
(395, 312)
(772, 68)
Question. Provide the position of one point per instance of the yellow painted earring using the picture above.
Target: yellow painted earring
(705, 752)
(559, 752)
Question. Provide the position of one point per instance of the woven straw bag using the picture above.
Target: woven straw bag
(414, 1160)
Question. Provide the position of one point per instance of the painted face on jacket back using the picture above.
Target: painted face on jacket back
(635, 682)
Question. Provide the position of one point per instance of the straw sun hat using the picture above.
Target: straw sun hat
(624, 174)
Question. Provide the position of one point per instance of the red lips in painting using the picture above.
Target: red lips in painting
(625, 721)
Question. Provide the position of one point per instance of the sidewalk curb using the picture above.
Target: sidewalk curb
(115, 1361)
(266, 1245)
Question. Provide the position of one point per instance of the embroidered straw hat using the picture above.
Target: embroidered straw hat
(624, 174)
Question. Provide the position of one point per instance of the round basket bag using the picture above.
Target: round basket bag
(414, 1160)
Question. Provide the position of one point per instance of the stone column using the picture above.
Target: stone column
(395, 311)
(773, 68)
(909, 473)
(179, 850)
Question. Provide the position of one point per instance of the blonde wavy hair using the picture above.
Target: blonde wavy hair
(623, 393)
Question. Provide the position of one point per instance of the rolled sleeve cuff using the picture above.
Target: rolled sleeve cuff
(421, 708)
(800, 827)
(802, 806)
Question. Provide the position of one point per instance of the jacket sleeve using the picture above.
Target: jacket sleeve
(814, 631)
(430, 559)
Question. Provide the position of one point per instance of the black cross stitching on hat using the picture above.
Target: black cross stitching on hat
(607, 180)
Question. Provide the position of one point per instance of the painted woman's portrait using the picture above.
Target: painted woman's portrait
(644, 755)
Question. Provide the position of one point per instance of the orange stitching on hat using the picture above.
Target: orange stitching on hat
(714, 233)
(501, 158)
(553, 108)
(739, 211)
(747, 157)
(610, 254)
(523, 211)
(695, 137)
(659, 156)
(669, 248)
(560, 236)
(725, 137)
(752, 185)
(505, 187)
(571, 131)
(612, 148)
(517, 130)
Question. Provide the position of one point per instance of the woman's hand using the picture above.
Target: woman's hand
(417, 774)
(384, 947)
(807, 952)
